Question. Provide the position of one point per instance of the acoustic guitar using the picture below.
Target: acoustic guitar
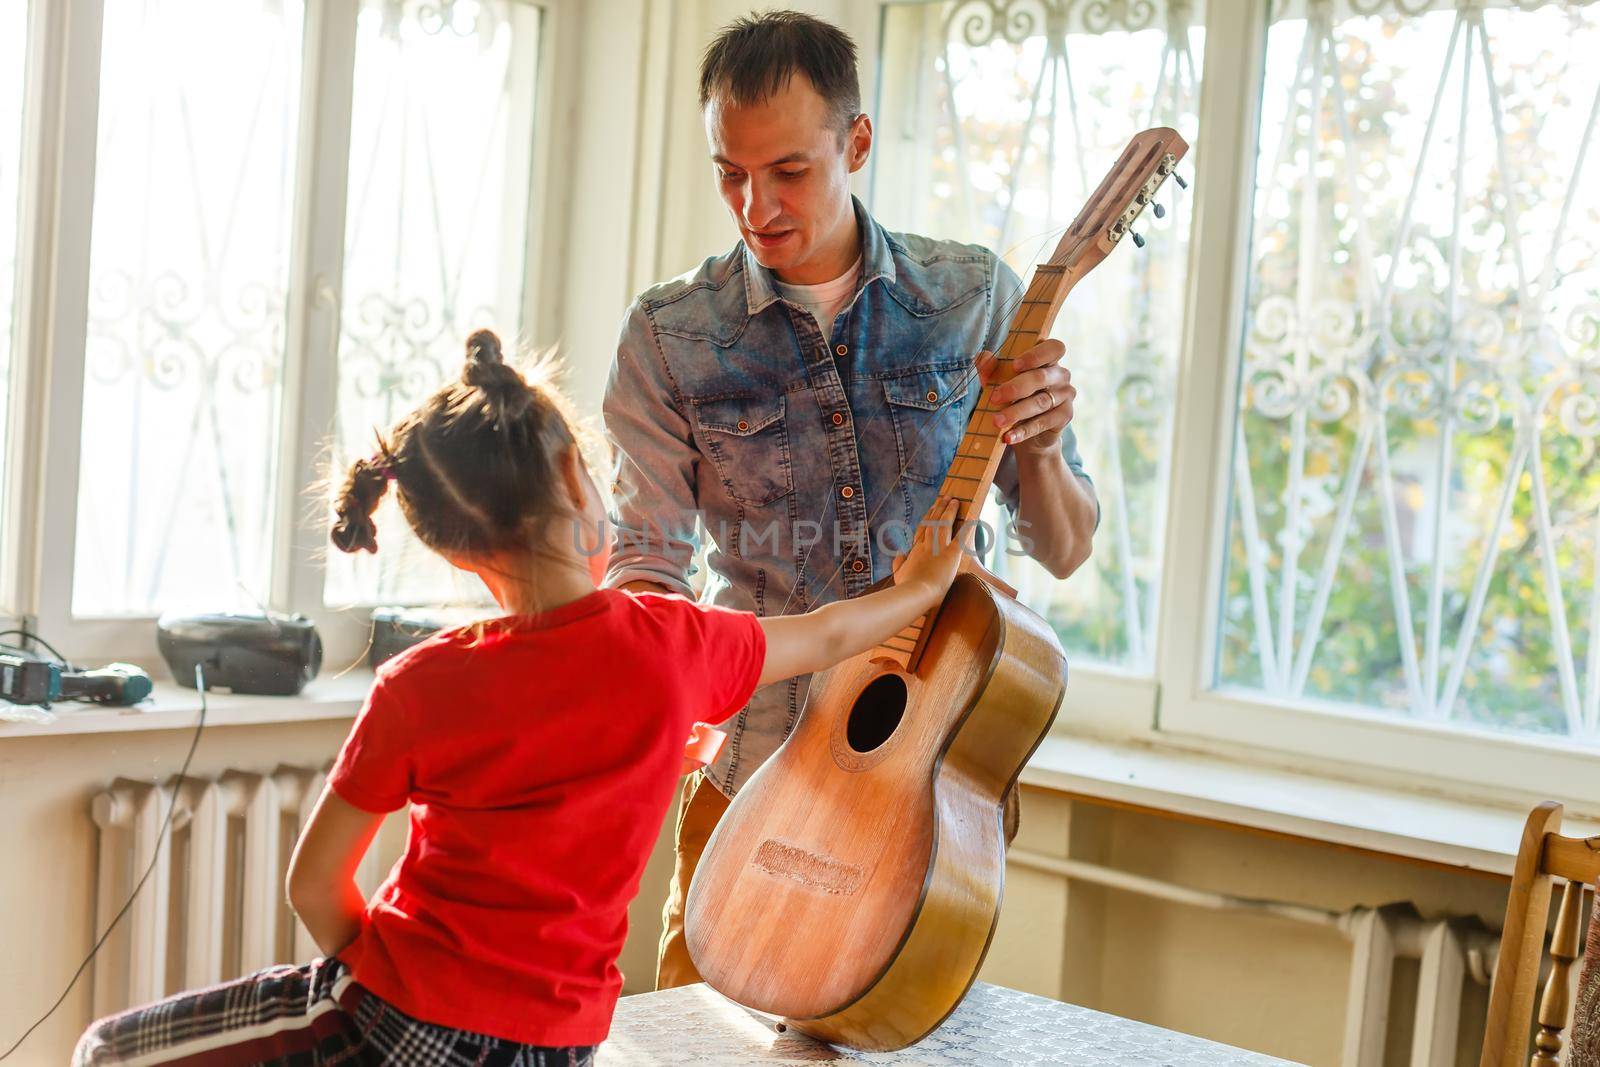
(855, 882)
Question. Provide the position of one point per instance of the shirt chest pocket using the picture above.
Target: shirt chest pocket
(930, 418)
(748, 442)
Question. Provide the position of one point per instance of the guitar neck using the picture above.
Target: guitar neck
(978, 456)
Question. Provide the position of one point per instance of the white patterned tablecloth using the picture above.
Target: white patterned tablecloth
(693, 1025)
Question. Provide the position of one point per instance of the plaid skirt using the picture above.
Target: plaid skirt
(307, 1016)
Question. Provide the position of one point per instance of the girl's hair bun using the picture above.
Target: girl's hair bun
(487, 370)
(504, 390)
(484, 347)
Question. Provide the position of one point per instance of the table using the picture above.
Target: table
(994, 1025)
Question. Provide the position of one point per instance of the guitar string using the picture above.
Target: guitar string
(968, 375)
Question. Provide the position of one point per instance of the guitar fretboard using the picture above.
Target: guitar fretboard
(978, 455)
(1105, 219)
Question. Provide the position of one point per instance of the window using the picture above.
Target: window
(996, 122)
(436, 238)
(1372, 536)
(188, 276)
(1413, 517)
(269, 227)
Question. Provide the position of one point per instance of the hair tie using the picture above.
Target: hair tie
(383, 465)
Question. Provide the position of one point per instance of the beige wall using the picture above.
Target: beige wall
(1262, 983)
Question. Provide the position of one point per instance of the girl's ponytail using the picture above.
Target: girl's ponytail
(363, 488)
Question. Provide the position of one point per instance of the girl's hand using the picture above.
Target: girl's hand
(800, 644)
(935, 555)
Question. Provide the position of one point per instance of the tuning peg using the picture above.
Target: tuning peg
(1137, 240)
(1160, 211)
(1179, 179)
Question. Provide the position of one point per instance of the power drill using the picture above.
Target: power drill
(27, 680)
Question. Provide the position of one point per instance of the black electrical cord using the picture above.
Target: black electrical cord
(29, 635)
(166, 826)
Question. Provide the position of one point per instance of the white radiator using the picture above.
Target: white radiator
(213, 907)
(1451, 952)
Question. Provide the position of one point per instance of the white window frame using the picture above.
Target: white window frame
(1179, 704)
(60, 131)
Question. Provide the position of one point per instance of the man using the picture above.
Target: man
(804, 394)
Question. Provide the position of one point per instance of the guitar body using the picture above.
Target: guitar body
(854, 884)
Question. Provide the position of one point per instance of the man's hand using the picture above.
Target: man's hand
(1036, 404)
(1034, 407)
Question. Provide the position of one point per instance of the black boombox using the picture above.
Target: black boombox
(396, 629)
(270, 654)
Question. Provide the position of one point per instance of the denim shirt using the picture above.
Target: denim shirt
(807, 465)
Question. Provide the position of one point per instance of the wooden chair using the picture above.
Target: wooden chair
(1543, 859)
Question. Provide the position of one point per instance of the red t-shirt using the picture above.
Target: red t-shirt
(539, 761)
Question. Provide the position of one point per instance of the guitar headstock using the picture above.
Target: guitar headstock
(1127, 189)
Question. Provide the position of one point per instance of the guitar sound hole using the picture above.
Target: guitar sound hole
(877, 712)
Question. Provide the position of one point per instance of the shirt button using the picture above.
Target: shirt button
(838, 418)
(840, 350)
(743, 425)
(858, 566)
(933, 397)
(847, 492)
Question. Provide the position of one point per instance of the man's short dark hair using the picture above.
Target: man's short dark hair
(754, 57)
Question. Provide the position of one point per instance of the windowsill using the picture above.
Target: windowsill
(1376, 818)
(172, 707)
(1450, 833)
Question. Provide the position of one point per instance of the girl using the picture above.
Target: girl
(538, 753)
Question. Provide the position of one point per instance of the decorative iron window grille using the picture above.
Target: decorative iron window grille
(1414, 504)
(188, 271)
(435, 241)
(1416, 499)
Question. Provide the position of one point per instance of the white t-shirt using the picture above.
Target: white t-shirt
(825, 299)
